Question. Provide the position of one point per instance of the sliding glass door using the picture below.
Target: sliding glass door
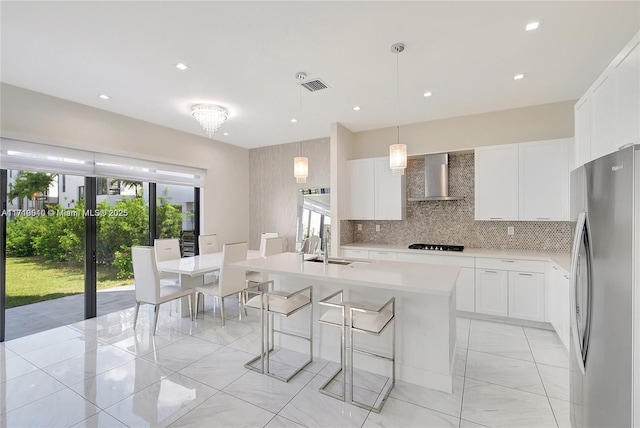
(123, 221)
(45, 237)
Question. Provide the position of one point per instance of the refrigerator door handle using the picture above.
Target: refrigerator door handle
(581, 236)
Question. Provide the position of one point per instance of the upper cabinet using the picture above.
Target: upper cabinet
(544, 180)
(607, 116)
(374, 192)
(526, 181)
(496, 182)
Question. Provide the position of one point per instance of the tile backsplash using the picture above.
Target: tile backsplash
(452, 222)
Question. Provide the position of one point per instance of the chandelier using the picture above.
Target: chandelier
(210, 117)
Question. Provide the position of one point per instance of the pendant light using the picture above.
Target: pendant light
(300, 163)
(397, 152)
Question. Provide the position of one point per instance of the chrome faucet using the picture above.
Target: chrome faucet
(325, 258)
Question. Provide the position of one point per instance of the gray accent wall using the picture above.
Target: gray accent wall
(273, 190)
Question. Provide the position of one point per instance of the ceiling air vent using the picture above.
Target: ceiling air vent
(314, 85)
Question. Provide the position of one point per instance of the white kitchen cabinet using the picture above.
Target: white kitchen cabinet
(627, 96)
(558, 288)
(375, 193)
(526, 295)
(543, 191)
(496, 182)
(362, 192)
(383, 255)
(583, 132)
(355, 254)
(603, 107)
(491, 292)
(607, 116)
(389, 192)
(466, 290)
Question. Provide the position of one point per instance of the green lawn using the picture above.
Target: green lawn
(30, 280)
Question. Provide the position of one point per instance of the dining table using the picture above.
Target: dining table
(192, 270)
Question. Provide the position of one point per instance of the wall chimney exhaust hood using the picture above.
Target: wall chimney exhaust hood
(436, 179)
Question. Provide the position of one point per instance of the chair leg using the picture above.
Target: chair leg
(191, 302)
(198, 304)
(222, 309)
(135, 317)
(155, 319)
(240, 306)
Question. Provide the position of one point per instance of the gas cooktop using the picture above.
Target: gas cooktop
(436, 247)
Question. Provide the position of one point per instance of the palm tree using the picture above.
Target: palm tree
(28, 185)
(128, 184)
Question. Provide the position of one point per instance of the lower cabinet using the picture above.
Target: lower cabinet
(526, 295)
(559, 303)
(355, 254)
(491, 292)
(383, 255)
(510, 288)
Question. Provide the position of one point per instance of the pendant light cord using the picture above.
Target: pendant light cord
(398, 96)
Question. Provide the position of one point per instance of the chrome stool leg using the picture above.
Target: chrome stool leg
(329, 319)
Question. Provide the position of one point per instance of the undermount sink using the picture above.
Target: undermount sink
(331, 261)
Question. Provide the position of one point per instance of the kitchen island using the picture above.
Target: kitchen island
(425, 311)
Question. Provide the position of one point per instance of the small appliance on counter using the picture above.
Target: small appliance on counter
(436, 247)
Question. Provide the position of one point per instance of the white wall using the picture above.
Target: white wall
(36, 117)
(541, 122)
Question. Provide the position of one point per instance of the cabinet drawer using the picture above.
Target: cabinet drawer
(383, 255)
(436, 259)
(510, 264)
(355, 254)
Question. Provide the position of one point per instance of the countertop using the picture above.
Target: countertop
(408, 277)
(563, 260)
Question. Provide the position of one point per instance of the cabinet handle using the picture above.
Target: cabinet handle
(543, 218)
(490, 271)
(525, 274)
(495, 218)
(508, 261)
(381, 252)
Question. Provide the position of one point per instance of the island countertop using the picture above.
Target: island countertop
(401, 276)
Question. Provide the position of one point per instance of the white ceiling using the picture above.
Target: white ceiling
(244, 55)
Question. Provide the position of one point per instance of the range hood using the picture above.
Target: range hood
(436, 179)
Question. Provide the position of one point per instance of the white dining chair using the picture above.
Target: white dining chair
(167, 249)
(272, 246)
(148, 287)
(263, 237)
(311, 245)
(232, 281)
(209, 244)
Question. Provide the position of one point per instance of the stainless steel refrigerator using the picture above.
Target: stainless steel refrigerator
(605, 294)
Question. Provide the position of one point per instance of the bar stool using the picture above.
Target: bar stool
(277, 302)
(358, 318)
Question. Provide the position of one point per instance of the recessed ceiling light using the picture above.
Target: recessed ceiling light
(181, 66)
(532, 26)
(105, 97)
(356, 108)
(294, 120)
(518, 76)
(427, 94)
(225, 133)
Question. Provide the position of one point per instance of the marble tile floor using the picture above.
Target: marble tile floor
(102, 373)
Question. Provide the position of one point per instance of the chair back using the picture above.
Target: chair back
(167, 249)
(263, 238)
(145, 274)
(273, 246)
(208, 244)
(232, 280)
(311, 245)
